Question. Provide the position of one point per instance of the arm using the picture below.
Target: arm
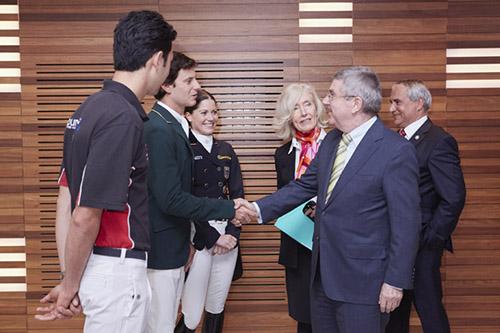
(235, 189)
(448, 180)
(165, 181)
(82, 232)
(292, 194)
(63, 218)
(400, 186)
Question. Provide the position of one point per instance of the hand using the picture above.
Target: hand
(62, 304)
(189, 262)
(219, 250)
(244, 212)
(389, 298)
(310, 209)
(227, 241)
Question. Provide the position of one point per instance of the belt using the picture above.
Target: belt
(112, 252)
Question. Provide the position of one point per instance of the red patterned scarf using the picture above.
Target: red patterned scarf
(309, 148)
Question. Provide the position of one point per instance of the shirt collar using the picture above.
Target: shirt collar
(184, 123)
(296, 144)
(411, 129)
(126, 93)
(205, 140)
(359, 132)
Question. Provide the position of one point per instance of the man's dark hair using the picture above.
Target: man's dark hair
(138, 36)
(179, 61)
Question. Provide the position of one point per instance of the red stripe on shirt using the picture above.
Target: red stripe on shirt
(115, 229)
(63, 180)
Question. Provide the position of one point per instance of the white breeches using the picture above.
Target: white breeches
(208, 282)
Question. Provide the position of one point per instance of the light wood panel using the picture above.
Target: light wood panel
(12, 259)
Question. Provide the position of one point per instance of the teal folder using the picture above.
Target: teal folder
(297, 225)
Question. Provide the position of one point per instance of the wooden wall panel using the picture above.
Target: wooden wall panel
(472, 115)
(12, 257)
(248, 51)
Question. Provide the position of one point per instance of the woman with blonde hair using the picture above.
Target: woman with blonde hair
(299, 119)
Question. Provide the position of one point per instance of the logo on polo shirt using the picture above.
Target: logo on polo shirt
(73, 124)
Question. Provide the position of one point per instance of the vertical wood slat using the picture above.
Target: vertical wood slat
(12, 257)
(472, 116)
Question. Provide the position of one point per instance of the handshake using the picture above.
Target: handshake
(245, 212)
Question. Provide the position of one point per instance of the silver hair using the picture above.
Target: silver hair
(285, 107)
(363, 82)
(417, 90)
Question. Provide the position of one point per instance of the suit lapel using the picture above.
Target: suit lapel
(288, 162)
(368, 145)
(170, 120)
(421, 132)
(331, 153)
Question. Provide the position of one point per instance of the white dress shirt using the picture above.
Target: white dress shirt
(411, 129)
(206, 141)
(180, 118)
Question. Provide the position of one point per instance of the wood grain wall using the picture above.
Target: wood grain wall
(248, 51)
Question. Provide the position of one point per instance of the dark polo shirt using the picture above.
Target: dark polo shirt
(105, 165)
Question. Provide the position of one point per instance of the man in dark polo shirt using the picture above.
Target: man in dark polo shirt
(104, 168)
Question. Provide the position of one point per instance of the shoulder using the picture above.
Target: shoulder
(225, 149)
(104, 110)
(438, 132)
(283, 149)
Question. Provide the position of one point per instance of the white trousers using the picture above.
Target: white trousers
(166, 286)
(207, 284)
(115, 295)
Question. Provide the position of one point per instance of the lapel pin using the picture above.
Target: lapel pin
(417, 137)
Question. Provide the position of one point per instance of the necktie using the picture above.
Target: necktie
(402, 132)
(338, 165)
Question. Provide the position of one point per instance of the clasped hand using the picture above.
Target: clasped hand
(60, 304)
(244, 212)
(224, 244)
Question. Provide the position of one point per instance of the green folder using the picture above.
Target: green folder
(297, 225)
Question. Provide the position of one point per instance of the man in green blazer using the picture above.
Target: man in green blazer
(171, 204)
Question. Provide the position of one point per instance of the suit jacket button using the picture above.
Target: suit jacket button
(205, 170)
(220, 184)
(205, 185)
(219, 169)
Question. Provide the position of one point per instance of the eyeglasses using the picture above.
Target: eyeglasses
(331, 96)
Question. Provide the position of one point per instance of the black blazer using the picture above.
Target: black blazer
(216, 175)
(441, 184)
(285, 172)
(171, 204)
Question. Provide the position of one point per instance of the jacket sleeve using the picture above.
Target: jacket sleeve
(448, 180)
(165, 181)
(235, 189)
(292, 194)
(400, 186)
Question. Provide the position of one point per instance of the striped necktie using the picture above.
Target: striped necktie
(338, 165)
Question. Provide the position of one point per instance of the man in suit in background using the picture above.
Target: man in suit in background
(367, 214)
(442, 193)
(171, 204)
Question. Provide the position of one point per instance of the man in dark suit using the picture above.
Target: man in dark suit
(367, 214)
(171, 204)
(442, 192)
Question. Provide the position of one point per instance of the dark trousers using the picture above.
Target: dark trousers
(427, 297)
(340, 317)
